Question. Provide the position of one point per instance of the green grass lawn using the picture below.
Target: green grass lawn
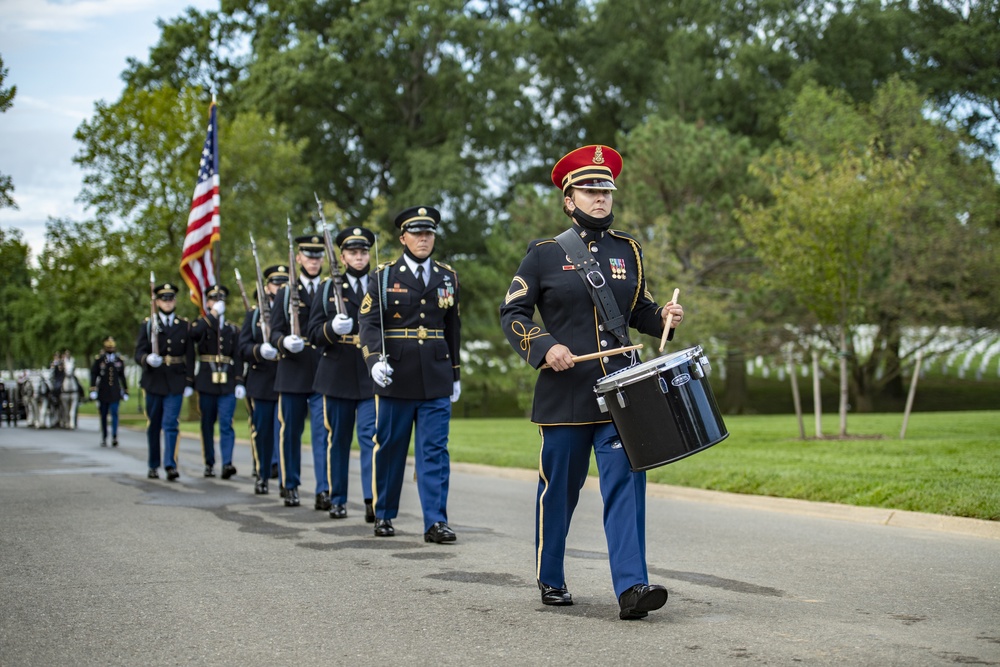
(949, 462)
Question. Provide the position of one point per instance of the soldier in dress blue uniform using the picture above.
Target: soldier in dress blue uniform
(108, 387)
(167, 377)
(416, 299)
(342, 376)
(262, 367)
(219, 380)
(565, 405)
(297, 362)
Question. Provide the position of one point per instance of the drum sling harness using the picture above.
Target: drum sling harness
(590, 272)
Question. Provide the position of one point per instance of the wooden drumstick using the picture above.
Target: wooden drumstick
(670, 320)
(598, 355)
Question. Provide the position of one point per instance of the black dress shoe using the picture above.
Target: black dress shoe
(369, 511)
(283, 492)
(228, 470)
(152, 474)
(291, 497)
(322, 501)
(641, 599)
(338, 511)
(440, 533)
(209, 472)
(383, 528)
(114, 442)
(260, 487)
(275, 471)
(172, 474)
(558, 597)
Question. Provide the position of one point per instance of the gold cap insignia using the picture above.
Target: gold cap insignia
(598, 155)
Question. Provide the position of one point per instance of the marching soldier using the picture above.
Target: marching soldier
(262, 367)
(412, 304)
(297, 363)
(167, 377)
(565, 408)
(108, 387)
(219, 380)
(342, 376)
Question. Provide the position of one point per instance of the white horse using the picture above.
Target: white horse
(69, 397)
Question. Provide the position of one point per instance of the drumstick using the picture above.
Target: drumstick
(598, 355)
(670, 320)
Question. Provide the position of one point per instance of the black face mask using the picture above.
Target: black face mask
(592, 223)
(406, 251)
(357, 273)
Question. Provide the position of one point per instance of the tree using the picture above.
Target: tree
(15, 298)
(6, 102)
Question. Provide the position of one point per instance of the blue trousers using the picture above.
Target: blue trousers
(105, 410)
(162, 413)
(341, 415)
(292, 411)
(395, 421)
(563, 466)
(264, 433)
(217, 407)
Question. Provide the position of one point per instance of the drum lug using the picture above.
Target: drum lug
(697, 371)
(602, 404)
(622, 398)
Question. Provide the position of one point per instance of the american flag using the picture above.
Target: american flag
(198, 258)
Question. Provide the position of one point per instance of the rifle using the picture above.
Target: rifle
(154, 321)
(263, 303)
(334, 264)
(243, 291)
(293, 287)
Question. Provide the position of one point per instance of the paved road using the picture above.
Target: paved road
(100, 566)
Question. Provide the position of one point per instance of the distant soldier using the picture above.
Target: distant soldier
(416, 298)
(342, 376)
(296, 372)
(108, 387)
(219, 380)
(262, 367)
(167, 377)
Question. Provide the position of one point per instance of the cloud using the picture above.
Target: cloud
(68, 15)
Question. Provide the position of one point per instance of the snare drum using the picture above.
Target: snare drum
(664, 409)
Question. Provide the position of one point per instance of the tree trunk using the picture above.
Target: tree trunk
(844, 393)
(735, 398)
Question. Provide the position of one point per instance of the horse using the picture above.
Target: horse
(70, 395)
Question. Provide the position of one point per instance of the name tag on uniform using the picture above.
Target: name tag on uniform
(568, 267)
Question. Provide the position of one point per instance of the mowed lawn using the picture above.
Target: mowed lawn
(949, 462)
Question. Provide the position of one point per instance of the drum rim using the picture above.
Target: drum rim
(648, 369)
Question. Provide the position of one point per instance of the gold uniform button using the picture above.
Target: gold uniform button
(422, 316)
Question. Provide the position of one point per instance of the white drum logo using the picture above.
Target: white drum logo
(681, 379)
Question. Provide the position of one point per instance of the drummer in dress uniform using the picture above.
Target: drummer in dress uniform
(167, 377)
(108, 387)
(565, 406)
(416, 299)
(219, 380)
(297, 363)
(342, 376)
(262, 366)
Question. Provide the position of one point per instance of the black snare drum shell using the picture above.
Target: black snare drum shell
(658, 428)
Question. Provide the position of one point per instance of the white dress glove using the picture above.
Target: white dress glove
(456, 390)
(342, 325)
(154, 360)
(125, 397)
(382, 373)
(188, 391)
(293, 344)
(219, 307)
(268, 351)
(93, 395)
(241, 392)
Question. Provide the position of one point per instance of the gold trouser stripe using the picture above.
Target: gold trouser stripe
(281, 439)
(329, 446)
(253, 438)
(375, 447)
(541, 514)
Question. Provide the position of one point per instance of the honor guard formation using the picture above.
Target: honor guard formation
(373, 353)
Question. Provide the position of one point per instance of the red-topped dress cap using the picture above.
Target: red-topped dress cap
(590, 166)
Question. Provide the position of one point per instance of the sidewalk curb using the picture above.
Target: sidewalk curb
(873, 515)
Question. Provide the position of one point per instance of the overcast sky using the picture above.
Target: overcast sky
(64, 56)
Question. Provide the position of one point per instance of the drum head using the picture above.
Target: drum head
(646, 369)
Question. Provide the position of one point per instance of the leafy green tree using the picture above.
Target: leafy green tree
(16, 298)
(6, 102)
